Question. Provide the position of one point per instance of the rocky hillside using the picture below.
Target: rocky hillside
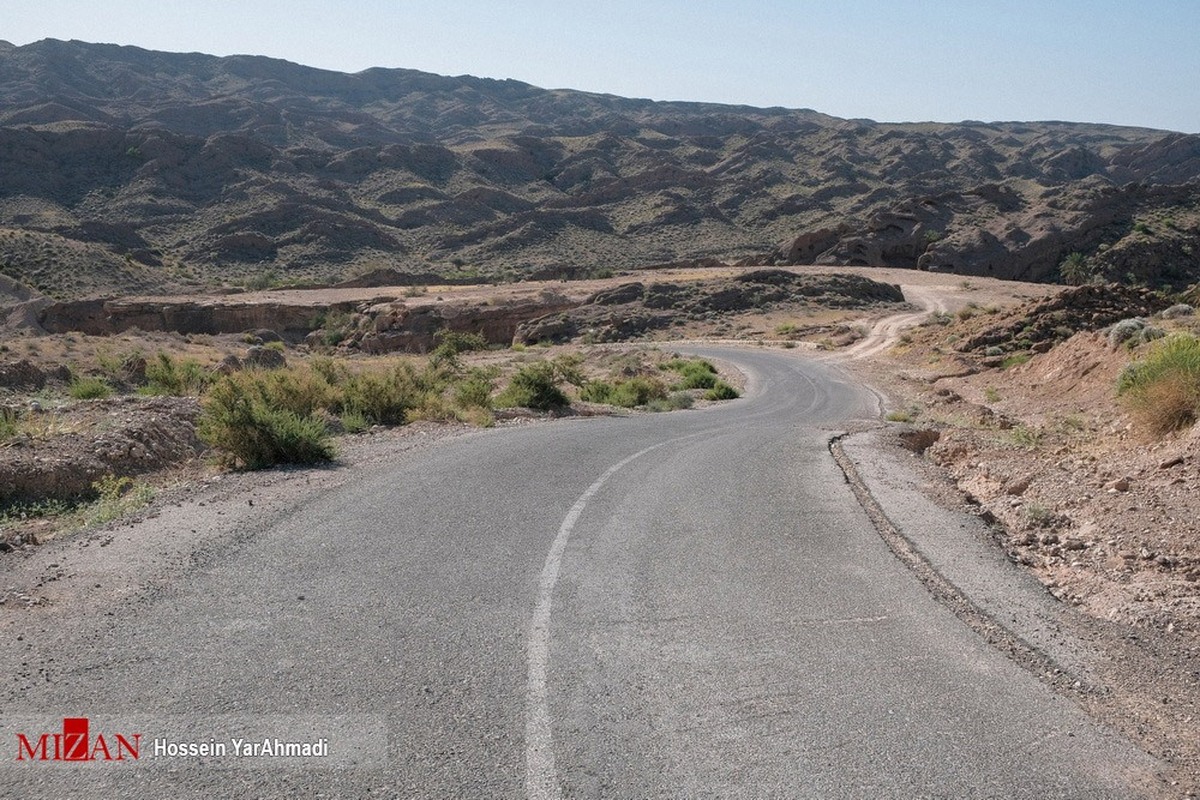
(124, 170)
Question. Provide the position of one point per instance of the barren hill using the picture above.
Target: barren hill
(123, 169)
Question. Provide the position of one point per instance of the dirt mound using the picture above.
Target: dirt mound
(61, 453)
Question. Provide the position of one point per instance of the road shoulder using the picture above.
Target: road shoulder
(1134, 686)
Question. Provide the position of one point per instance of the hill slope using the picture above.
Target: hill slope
(125, 169)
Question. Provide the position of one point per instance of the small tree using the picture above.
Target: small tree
(1074, 269)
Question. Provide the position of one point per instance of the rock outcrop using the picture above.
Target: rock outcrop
(633, 309)
(104, 317)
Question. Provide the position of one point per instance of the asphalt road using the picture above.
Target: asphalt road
(674, 605)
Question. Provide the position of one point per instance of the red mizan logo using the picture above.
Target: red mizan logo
(75, 744)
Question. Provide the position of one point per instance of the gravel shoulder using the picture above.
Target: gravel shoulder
(1087, 529)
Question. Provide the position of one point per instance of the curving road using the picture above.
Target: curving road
(674, 605)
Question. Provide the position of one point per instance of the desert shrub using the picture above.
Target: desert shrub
(474, 390)
(1038, 515)
(452, 343)
(1015, 360)
(968, 311)
(637, 391)
(116, 497)
(569, 369)
(722, 391)
(332, 371)
(1023, 436)
(166, 376)
(384, 398)
(1148, 334)
(629, 393)
(1178, 310)
(1133, 332)
(88, 388)
(993, 351)
(1162, 390)
(597, 391)
(455, 342)
(334, 326)
(261, 281)
(902, 415)
(354, 421)
(299, 390)
(694, 373)
(10, 419)
(680, 400)
(534, 386)
(238, 421)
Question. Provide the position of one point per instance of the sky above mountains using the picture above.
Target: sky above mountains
(890, 60)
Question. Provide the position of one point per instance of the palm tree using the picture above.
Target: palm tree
(1074, 269)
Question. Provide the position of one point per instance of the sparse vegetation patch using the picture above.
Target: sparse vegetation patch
(1162, 391)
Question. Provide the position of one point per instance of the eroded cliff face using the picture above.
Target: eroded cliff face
(105, 317)
(374, 326)
(396, 326)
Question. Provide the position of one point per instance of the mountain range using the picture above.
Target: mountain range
(127, 170)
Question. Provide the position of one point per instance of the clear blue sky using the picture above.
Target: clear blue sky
(1117, 61)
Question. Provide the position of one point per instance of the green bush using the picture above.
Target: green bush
(629, 393)
(673, 402)
(383, 398)
(474, 390)
(694, 373)
(455, 342)
(301, 391)
(166, 376)
(89, 389)
(597, 391)
(117, 497)
(354, 421)
(680, 400)
(332, 371)
(1162, 390)
(722, 391)
(237, 420)
(637, 391)
(569, 369)
(534, 386)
